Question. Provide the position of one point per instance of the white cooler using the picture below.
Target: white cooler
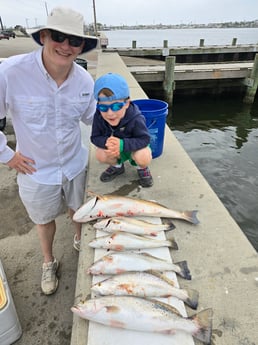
(10, 328)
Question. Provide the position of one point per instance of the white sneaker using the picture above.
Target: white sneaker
(49, 281)
(76, 243)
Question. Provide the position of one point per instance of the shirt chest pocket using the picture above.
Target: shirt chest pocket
(35, 112)
(73, 110)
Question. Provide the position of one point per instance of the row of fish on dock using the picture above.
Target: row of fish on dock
(130, 296)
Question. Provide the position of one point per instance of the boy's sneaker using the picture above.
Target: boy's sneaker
(49, 281)
(76, 243)
(145, 177)
(111, 172)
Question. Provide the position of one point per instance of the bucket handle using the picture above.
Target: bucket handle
(152, 123)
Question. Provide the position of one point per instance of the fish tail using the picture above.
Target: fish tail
(184, 271)
(191, 216)
(172, 242)
(192, 299)
(169, 223)
(203, 320)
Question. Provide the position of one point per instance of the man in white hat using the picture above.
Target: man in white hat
(47, 95)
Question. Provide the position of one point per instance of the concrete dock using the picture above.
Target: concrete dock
(223, 263)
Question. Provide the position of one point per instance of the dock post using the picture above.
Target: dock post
(252, 83)
(165, 44)
(133, 44)
(169, 83)
(234, 41)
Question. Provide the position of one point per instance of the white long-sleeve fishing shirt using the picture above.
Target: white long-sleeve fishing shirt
(46, 117)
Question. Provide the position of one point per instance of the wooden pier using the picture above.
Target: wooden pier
(192, 54)
(170, 76)
(181, 76)
(150, 73)
(195, 68)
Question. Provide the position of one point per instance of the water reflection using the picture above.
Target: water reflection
(220, 136)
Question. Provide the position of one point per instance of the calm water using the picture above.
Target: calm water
(181, 37)
(219, 134)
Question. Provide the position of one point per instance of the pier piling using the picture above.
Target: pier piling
(252, 83)
(165, 44)
(169, 82)
(201, 42)
(234, 41)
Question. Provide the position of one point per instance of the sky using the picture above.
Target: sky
(31, 13)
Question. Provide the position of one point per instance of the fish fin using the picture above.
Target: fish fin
(161, 276)
(184, 271)
(166, 306)
(191, 216)
(192, 299)
(171, 239)
(173, 244)
(168, 222)
(98, 196)
(152, 256)
(108, 220)
(204, 321)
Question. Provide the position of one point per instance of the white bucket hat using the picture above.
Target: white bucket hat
(69, 22)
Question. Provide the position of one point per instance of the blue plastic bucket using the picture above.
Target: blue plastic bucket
(155, 113)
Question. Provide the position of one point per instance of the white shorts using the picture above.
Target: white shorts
(45, 202)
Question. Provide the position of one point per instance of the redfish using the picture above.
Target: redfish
(107, 206)
(145, 315)
(120, 262)
(145, 284)
(120, 241)
(133, 226)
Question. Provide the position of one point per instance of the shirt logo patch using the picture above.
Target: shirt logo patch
(84, 94)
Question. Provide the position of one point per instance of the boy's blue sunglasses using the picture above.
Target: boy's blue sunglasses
(113, 106)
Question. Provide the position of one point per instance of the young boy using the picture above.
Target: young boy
(119, 130)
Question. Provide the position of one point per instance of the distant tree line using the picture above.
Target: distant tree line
(235, 24)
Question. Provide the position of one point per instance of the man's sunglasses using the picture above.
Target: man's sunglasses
(113, 106)
(60, 37)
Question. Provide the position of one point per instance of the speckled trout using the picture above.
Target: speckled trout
(133, 225)
(107, 206)
(146, 315)
(120, 262)
(120, 241)
(145, 284)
